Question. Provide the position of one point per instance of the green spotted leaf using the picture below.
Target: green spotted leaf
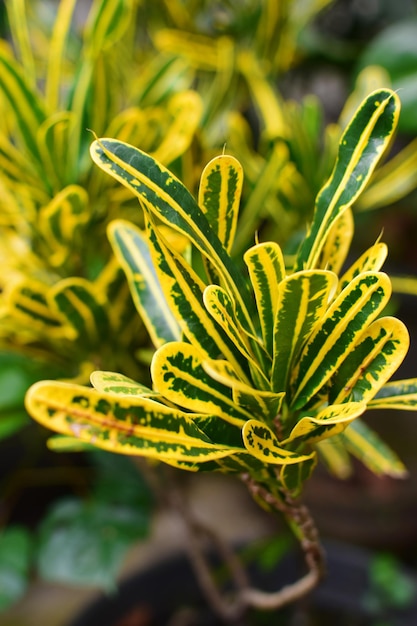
(261, 442)
(329, 422)
(370, 261)
(112, 382)
(125, 425)
(178, 375)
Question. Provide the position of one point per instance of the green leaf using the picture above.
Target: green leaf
(112, 382)
(329, 422)
(398, 394)
(78, 302)
(126, 425)
(266, 267)
(293, 477)
(184, 291)
(178, 374)
(302, 301)
(378, 354)
(84, 543)
(370, 261)
(261, 442)
(363, 443)
(163, 195)
(22, 100)
(219, 196)
(338, 332)
(360, 149)
(131, 248)
(15, 562)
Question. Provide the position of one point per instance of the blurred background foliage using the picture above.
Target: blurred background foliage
(272, 82)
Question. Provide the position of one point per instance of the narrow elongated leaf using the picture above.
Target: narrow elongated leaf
(53, 139)
(372, 362)
(398, 394)
(166, 197)
(178, 374)
(335, 456)
(131, 248)
(337, 244)
(112, 382)
(263, 404)
(368, 447)
(186, 109)
(370, 261)
(302, 301)
(294, 476)
(360, 149)
(266, 267)
(329, 422)
(57, 43)
(219, 196)
(133, 426)
(261, 442)
(61, 220)
(184, 291)
(30, 300)
(79, 304)
(22, 99)
(338, 332)
(108, 22)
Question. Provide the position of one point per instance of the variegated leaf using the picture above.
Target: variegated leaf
(294, 476)
(337, 244)
(30, 300)
(61, 220)
(163, 195)
(329, 422)
(338, 332)
(78, 303)
(23, 101)
(178, 375)
(261, 442)
(398, 394)
(112, 382)
(360, 149)
(184, 291)
(266, 267)
(263, 404)
(375, 358)
(125, 425)
(131, 248)
(186, 110)
(335, 456)
(58, 40)
(303, 298)
(368, 447)
(219, 196)
(53, 139)
(370, 261)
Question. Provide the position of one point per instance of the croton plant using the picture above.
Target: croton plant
(261, 365)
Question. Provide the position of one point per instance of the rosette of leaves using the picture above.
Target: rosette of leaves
(57, 80)
(259, 368)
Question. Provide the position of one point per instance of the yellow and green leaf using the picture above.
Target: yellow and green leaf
(302, 301)
(131, 248)
(178, 375)
(266, 267)
(112, 382)
(338, 332)
(125, 425)
(398, 394)
(328, 422)
(261, 442)
(378, 354)
(360, 149)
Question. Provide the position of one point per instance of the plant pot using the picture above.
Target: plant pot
(168, 594)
